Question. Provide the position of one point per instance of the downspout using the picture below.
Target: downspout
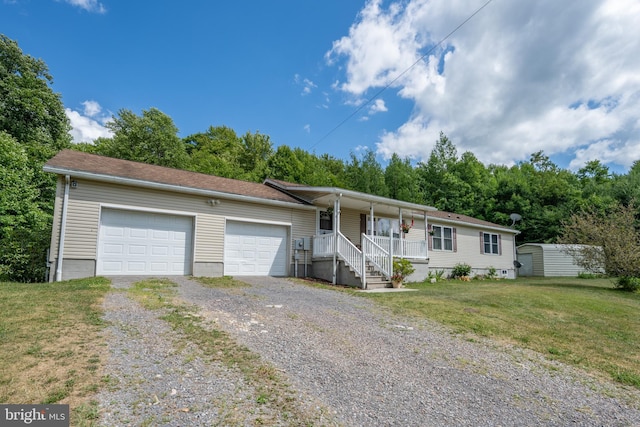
(336, 226)
(63, 228)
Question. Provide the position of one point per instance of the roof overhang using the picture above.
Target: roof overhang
(472, 225)
(349, 199)
(175, 188)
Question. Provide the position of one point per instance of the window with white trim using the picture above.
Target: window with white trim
(384, 227)
(442, 238)
(325, 221)
(491, 243)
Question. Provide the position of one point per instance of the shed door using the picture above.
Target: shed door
(143, 243)
(527, 264)
(252, 249)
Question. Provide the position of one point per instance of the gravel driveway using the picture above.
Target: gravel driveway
(360, 364)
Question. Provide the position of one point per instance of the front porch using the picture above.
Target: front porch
(369, 265)
(357, 235)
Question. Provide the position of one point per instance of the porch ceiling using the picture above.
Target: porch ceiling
(361, 202)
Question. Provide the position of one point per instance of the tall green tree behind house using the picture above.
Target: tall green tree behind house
(366, 175)
(401, 181)
(29, 109)
(215, 152)
(34, 127)
(257, 148)
(150, 138)
(24, 226)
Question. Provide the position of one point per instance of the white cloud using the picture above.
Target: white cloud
(307, 85)
(517, 78)
(88, 5)
(307, 128)
(378, 106)
(88, 125)
(91, 108)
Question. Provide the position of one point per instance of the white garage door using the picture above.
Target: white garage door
(252, 249)
(144, 243)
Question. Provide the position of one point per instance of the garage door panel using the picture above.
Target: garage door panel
(113, 267)
(134, 242)
(255, 249)
(137, 250)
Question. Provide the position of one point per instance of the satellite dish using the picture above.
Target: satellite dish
(515, 218)
(517, 264)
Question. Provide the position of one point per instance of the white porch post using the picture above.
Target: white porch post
(336, 229)
(371, 233)
(426, 234)
(401, 234)
(390, 253)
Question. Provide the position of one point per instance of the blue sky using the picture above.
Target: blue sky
(517, 78)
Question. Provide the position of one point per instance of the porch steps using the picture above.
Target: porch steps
(375, 280)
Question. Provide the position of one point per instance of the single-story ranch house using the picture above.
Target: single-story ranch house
(118, 217)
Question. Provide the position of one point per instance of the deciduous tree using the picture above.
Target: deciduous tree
(150, 138)
(24, 227)
(613, 240)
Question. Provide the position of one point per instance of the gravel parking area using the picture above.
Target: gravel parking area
(364, 365)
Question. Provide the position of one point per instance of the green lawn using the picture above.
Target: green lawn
(50, 347)
(584, 322)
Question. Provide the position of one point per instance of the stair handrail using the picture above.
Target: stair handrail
(377, 255)
(350, 254)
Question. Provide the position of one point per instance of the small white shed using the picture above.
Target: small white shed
(546, 260)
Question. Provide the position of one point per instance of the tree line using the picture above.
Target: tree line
(33, 127)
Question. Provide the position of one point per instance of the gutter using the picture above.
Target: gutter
(177, 188)
(436, 220)
(63, 228)
(341, 192)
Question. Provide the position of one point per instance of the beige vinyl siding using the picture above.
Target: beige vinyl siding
(416, 232)
(350, 225)
(84, 210)
(468, 250)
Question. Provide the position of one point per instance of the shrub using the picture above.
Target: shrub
(492, 273)
(627, 283)
(585, 275)
(460, 270)
(401, 268)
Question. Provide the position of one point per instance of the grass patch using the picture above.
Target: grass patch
(221, 282)
(581, 322)
(49, 342)
(271, 390)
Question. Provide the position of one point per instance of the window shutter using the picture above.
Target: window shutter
(363, 224)
(499, 244)
(429, 237)
(481, 242)
(454, 237)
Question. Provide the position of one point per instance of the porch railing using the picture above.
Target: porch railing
(375, 249)
(351, 254)
(410, 248)
(377, 255)
(324, 244)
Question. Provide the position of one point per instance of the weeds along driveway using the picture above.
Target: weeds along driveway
(366, 367)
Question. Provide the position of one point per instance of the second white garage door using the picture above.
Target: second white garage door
(144, 243)
(252, 249)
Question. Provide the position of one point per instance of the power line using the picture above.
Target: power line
(377, 94)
